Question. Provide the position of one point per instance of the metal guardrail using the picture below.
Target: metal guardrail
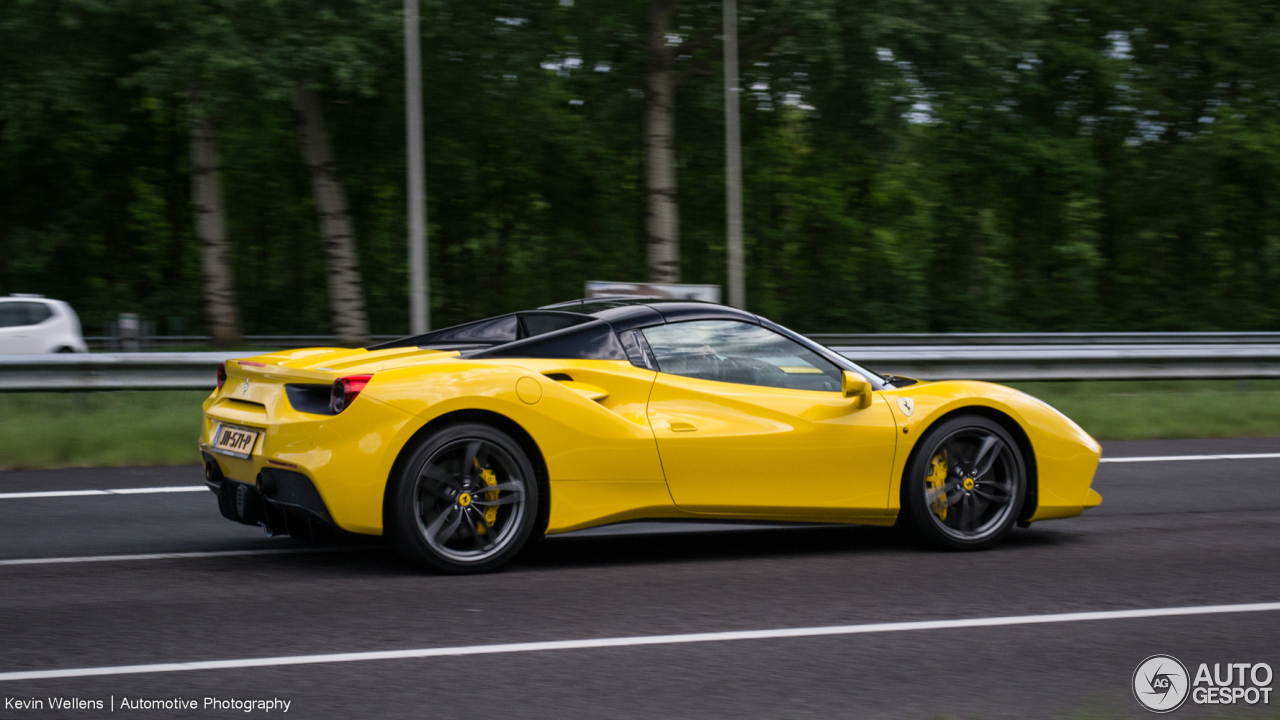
(1037, 338)
(110, 343)
(1011, 363)
(1049, 361)
(112, 371)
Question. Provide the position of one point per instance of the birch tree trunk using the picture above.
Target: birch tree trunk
(662, 211)
(345, 298)
(211, 230)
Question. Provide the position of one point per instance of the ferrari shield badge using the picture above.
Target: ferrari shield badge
(907, 405)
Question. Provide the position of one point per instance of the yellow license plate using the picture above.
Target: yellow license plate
(235, 440)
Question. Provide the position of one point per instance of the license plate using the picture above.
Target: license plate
(235, 441)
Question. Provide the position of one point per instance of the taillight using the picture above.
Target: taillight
(222, 375)
(345, 391)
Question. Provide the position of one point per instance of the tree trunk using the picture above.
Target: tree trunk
(662, 216)
(211, 230)
(345, 298)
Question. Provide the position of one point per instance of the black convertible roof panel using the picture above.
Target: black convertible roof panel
(629, 317)
(639, 312)
(594, 340)
(590, 306)
(584, 328)
(491, 332)
(683, 310)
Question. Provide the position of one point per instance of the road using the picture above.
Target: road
(1170, 534)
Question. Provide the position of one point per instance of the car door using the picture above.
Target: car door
(748, 421)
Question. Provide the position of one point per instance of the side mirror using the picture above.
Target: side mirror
(853, 385)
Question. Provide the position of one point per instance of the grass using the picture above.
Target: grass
(43, 430)
(1167, 409)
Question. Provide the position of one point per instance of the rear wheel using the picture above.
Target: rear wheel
(964, 486)
(465, 501)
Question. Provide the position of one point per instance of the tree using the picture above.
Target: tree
(307, 47)
(909, 165)
(345, 298)
(278, 51)
(211, 229)
(191, 64)
(670, 60)
(662, 207)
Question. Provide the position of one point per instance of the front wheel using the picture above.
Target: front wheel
(964, 486)
(465, 501)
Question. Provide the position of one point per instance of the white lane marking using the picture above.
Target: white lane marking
(1172, 458)
(640, 640)
(168, 556)
(118, 491)
(197, 488)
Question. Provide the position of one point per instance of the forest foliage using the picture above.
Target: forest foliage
(909, 165)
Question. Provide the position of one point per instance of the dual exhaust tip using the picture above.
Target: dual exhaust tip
(213, 477)
(279, 501)
(237, 501)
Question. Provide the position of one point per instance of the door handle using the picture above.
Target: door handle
(681, 426)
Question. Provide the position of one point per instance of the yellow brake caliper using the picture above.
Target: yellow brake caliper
(491, 512)
(936, 477)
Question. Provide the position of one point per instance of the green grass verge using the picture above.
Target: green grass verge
(42, 430)
(1166, 409)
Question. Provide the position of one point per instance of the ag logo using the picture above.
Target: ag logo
(907, 405)
(1161, 683)
(244, 388)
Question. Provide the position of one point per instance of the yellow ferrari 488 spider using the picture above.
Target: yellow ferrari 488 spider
(463, 444)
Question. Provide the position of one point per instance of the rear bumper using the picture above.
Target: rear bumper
(333, 469)
(281, 501)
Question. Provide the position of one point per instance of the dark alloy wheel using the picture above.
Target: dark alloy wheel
(465, 501)
(965, 484)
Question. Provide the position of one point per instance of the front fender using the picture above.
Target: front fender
(1066, 457)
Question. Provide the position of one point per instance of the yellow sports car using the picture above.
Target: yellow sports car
(463, 444)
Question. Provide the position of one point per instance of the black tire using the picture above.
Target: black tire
(980, 493)
(439, 514)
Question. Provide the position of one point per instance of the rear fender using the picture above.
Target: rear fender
(600, 456)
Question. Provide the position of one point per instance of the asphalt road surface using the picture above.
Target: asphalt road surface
(1170, 534)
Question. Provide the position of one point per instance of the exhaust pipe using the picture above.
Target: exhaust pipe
(212, 474)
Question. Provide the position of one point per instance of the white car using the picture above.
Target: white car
(33, 324)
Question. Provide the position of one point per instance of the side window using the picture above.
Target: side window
(19, 314)
(12, 314)
(637, 349)
(738, 352)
